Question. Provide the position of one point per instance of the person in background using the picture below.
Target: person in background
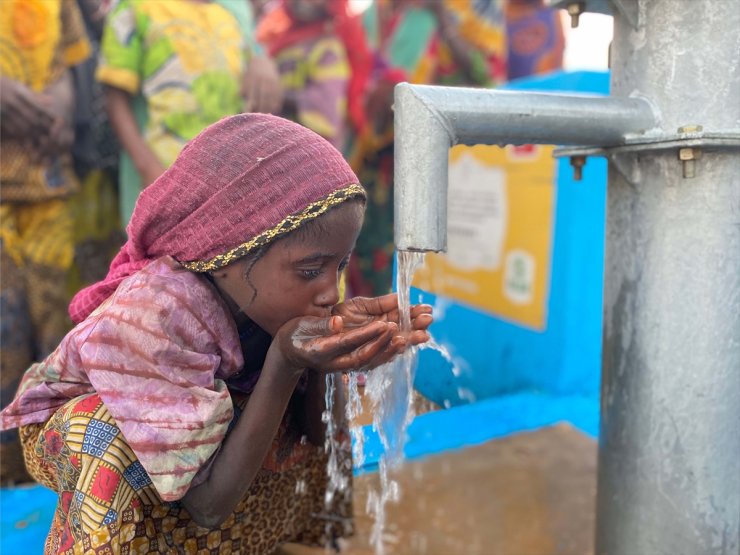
(535, 38)
(171, 68)
(185, 413)
(324, 64)
(445, 42)
(39, 42)
(97, 227)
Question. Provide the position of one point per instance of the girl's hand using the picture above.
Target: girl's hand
(360, 311)
(324, 344)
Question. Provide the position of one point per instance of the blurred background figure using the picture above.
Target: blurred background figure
(172, 67)
(445, 42)
(535, 38)
(40, 41)
(324, 63)
(97, 225)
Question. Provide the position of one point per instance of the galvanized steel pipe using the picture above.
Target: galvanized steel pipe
(429, 120)
(669, 458)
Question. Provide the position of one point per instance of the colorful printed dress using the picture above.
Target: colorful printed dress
(535, 38)
(319, 72)
(126, 415)
(39, 42)
(182, 62)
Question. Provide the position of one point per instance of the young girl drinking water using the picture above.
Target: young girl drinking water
(184, 412)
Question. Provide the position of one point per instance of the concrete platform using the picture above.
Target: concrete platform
(530, 493)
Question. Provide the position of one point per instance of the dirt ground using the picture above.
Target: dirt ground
(526, 494)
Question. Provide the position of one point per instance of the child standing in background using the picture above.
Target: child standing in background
(173, 67)
(184, 412)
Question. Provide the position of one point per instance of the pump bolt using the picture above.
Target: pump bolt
(575, 9)
(577, 162)
(688, 157)
(690, 129)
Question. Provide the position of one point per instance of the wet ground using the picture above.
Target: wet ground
(531, 493)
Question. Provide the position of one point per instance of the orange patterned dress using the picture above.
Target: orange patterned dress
(126, 415)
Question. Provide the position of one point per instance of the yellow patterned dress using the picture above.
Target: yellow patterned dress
(182, 62)
(39, 41)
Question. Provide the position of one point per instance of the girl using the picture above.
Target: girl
(183, 412)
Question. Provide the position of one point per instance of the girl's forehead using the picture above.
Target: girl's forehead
(332, 232)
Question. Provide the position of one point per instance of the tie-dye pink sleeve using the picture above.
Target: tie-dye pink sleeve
(153, 358)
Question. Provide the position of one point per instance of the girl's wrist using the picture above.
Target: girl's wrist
(280, 367)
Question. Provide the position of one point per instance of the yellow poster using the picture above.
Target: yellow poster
(500, 224)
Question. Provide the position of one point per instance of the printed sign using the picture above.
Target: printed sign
(500, 217)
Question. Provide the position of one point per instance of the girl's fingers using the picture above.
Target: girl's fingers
(367, 355)
(419, 309)
(422, 322)
(348, 341)
(396, 346)
(312, 327)
(383, 305)
(418, 337)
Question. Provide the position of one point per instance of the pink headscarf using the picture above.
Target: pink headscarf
(240, 184)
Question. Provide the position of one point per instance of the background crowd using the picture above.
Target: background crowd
(97, 98)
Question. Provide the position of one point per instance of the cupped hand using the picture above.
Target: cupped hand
(326, 344)
(360, 311)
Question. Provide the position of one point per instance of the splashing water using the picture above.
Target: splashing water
(444, 351)
(352, 411)
(339, 477)
(390, 389)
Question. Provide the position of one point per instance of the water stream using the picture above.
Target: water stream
(390, 389)
(391, 394)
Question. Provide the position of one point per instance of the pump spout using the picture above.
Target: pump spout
(429, 120)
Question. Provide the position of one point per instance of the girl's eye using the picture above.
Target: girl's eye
(311, 274)
(343, 264)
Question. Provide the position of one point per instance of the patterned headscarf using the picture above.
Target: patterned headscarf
(240, 184)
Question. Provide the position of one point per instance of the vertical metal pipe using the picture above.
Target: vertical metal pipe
(669, 459)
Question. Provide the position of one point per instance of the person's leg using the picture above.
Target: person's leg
(15, 339)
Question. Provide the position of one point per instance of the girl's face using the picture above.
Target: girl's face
(298, 275)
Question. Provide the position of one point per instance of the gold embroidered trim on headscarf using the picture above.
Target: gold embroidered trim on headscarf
(292, 222)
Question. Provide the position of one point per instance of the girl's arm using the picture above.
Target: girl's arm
(246, 447)
(123, 121)
(299, 344)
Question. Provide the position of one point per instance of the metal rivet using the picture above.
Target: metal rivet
(577, 162)
(690, 129)
(575, 9)
(688, 157)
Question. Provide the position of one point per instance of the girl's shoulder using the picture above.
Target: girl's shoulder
(164, 291)
(164, 280)
(165, 301)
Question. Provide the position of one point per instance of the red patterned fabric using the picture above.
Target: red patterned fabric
(238, 178)
(279, 30)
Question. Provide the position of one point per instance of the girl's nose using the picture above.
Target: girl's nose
(329, 294)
